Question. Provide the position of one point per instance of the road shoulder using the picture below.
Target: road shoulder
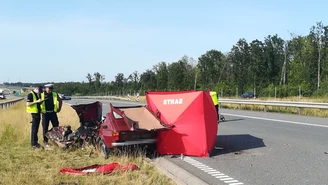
(176, 173)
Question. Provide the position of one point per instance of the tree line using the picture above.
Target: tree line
(265, 66)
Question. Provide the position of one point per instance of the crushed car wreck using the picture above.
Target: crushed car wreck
(183, 122)
(126, 126)
(122, 126)
(88, 133)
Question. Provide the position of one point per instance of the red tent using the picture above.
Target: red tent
(194, 117)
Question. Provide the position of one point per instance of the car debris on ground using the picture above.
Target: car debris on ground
(98, 169)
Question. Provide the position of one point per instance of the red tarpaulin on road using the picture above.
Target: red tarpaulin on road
(104, 169)
(194, 117)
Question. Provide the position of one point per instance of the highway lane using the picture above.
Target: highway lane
(263, 148)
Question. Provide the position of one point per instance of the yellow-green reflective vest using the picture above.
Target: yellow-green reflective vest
(214, 97)
(43, 104)
(32, 108)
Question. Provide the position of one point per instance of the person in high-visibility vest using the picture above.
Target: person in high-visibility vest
(50, 106)
(215, 100)
(33, 107)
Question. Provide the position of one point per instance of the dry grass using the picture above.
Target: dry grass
(287, 110)
(292, 98)
(7, 99)
(22, 165)
(133, 98)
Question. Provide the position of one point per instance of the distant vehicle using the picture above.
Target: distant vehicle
(64, 97)
(2, 94)
(248, 95)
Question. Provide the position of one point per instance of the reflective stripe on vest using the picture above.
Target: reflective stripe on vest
(43, 104)
(32, 108)
(214, 97)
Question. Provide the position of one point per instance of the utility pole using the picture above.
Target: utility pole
(283, 71)
(284, 67)
(195, 85)
(319, 59)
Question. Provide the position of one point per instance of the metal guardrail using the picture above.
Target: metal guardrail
(7, 104)
(265, 103)
(239, 102)
(99, 97)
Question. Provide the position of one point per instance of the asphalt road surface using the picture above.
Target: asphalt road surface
(258, 148)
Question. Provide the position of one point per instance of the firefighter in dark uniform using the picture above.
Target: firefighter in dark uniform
(50, 106)
(33, 107)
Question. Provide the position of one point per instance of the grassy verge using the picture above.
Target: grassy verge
(7, 99)
(292, 98)
(287, 110)
(133, 98)
(22, 165)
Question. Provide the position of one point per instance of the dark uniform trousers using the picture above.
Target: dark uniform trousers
(36, 117)
(46, 117)
(217, 110)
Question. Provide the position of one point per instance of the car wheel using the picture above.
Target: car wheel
(103, 150)
(223, 118)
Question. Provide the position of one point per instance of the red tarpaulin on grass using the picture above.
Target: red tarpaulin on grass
(103, 169)
(194, 117)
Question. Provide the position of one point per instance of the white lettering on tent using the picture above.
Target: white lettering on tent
(177, 101)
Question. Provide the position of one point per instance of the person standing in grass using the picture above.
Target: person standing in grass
(33, 107)
(50, 106)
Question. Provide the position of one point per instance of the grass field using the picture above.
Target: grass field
(289, 110)
(7, 99)
(22, 165)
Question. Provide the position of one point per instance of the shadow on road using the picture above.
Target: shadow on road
(229, 120)
(236, 144)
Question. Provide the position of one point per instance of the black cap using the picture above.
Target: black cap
(40, 87)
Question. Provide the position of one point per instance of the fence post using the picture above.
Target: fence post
(265, 108)
(299, 111)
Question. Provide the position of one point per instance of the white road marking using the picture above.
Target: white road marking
(215, 172)
(277, 120)
(225, 179)
(210, 171)
(216, 175)
(231, 181)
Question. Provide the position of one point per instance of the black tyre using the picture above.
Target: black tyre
(103, 149)
(222, 118)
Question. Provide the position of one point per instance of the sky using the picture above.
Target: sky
(64, 40)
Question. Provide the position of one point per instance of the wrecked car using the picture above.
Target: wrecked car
(122, 126)
(128, 126)
(90, 116)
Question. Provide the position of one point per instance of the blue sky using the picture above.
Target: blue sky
(63, 40)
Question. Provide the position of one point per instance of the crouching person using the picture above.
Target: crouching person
(33, 107)
(50, 106)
